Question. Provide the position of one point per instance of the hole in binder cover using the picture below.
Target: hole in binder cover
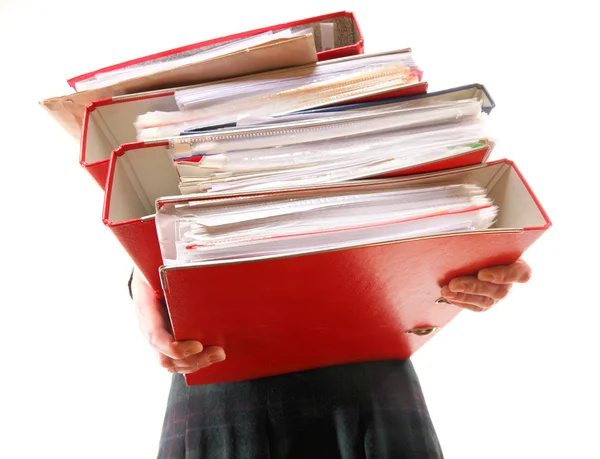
(422, 331)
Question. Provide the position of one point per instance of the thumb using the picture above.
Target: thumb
(161, 340)
(186, 348)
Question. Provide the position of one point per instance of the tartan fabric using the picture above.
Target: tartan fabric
(358, 411)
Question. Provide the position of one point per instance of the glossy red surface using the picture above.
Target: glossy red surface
(283, 315)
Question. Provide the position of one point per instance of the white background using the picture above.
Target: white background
(78, 381)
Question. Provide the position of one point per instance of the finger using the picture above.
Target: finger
(517, 272)
(162, 341)
(183, 349)
(469, 306)
(210, 352)
(484, 302)
(210, 356)
(471, 285)
(166, 362)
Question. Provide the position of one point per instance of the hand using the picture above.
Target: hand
(176, 356)
(481, 292)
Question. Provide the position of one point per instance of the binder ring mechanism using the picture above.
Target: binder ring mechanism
(422, 331)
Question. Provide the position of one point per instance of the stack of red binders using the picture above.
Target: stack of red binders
(294, 200)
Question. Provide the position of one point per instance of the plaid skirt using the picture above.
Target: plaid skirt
(357, 411)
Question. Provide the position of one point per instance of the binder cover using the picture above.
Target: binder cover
(108, 123)
(139, 173)
(345, 39)
(290, 313)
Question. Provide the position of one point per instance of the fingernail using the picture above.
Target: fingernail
(458, 287)
(525, 278)
(486, 277)
(194, 348)
(446, 293)
(216, 357)
(188, 348)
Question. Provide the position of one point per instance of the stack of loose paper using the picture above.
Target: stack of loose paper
(266, 225)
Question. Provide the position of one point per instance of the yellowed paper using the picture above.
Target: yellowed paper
(68, 110)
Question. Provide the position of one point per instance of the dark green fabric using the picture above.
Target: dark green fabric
(358, 411)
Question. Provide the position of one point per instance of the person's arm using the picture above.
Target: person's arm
(479, 293)
(175, 356)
